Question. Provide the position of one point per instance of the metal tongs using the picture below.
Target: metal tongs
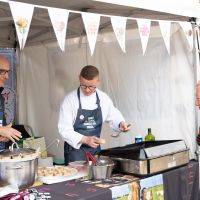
(89, 157)
(117, 133)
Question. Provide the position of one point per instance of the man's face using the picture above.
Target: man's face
(4, 69)
(88, 86)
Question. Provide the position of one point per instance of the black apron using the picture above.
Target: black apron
(2, 116)
(88, 123)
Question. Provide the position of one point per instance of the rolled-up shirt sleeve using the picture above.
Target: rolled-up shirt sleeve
(65, 125)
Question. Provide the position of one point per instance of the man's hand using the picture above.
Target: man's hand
(92, 141)
(197, 101)
(9, 133)
(124, 127)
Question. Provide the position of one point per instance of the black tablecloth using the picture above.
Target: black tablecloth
(179, 184)
(182, 183)
(74, 190)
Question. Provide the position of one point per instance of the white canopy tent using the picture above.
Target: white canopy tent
(155, 90)
(41, 30)
(185, 7)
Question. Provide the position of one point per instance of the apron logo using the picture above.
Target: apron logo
(90, 123)
(81, 117)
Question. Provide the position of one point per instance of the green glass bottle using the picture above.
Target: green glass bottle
(149, 136)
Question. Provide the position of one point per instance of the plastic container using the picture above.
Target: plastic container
(81, 165)
(45, 162)
(138, 139)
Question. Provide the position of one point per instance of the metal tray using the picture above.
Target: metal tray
(148, 158)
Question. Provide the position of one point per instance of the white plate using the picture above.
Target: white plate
(54, 179)
(57, 179)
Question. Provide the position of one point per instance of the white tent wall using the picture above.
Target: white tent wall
(152, 91)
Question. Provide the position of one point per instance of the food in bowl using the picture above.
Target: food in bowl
(56, 171)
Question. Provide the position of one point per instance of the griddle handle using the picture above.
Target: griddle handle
(143, 148)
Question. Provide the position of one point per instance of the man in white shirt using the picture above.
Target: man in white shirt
(81, 116)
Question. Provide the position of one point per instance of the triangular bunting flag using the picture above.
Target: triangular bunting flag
(59, 19)
(22, 14)
(144, 31)
(91, 22)
(165, 27)
(187, 28)
(119, 27)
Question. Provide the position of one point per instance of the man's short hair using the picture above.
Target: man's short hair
(89, 72)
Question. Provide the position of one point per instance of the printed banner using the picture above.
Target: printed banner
(119, 27)
(59, 19)
(152, 188)
(144, 31)
(22, 14)
(165, 27)
(187, 28)
(91, 22)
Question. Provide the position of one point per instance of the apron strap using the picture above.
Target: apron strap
(79, 99)
(98, 100)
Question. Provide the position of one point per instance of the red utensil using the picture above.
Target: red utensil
(89, 157)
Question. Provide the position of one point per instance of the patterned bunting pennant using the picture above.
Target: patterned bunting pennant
(59, 19)
(144, 31)
(119, 27)
(187, 28)
(91, 22)
(22, 14)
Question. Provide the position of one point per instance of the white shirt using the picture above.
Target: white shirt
(68, 113)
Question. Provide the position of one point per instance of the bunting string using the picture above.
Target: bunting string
(22, 16)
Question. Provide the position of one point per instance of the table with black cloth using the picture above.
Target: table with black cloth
(181, 183)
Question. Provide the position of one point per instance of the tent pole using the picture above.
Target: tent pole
(17, 80)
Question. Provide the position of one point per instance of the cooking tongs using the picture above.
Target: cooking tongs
(117, 133)
(89, 157)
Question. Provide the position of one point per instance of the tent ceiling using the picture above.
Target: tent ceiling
(41, 29)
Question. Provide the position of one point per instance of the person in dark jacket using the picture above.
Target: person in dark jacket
(7, 133)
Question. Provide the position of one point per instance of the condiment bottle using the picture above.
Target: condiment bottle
(149, 136)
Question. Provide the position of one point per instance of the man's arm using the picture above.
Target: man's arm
(65, 124)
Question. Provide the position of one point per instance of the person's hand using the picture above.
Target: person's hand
(92, 141)
(9, 133)
(124, 127)
(197, 101)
